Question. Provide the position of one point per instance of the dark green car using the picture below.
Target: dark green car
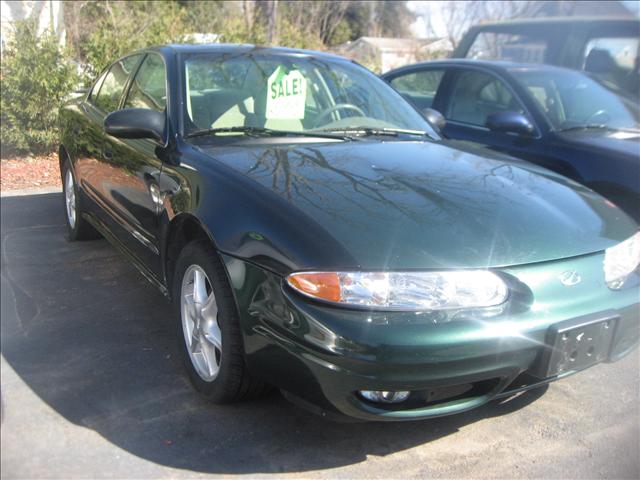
(315, 234)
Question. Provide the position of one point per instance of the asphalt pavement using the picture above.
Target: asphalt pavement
(92, 388)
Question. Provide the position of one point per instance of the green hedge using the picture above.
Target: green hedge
(36, 76)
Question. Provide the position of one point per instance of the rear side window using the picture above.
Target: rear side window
(508, 46)
(605, 55)
(476, 95)
(108, 98)
(148, 89)
(419, 87)
(96, 87)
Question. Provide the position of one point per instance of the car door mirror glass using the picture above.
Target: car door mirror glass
(510, 122)
(136, 123)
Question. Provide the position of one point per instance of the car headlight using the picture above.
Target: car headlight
(621, 260)
(403, 290)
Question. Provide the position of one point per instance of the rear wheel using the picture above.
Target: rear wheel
(208, 327)
(78, 228)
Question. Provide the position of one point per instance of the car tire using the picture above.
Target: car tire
(78, 228)
(208, 327)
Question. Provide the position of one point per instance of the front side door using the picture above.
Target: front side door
(132, 188)
(93, 167)
(473, 95)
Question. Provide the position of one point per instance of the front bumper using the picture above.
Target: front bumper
(452, 361)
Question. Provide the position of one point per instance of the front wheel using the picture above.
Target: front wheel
(208, 327)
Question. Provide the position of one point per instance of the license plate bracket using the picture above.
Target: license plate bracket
(578, 343)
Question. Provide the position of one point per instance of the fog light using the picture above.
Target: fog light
(384, 397)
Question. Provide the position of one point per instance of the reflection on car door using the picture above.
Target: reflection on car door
(134, 170)
(94, 164)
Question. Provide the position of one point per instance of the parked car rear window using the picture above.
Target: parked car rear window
(108, 97)
(419, 87)
(508, 46)
(615, 60)
(572, 99)
(295, 93)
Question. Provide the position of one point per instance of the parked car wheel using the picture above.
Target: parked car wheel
(78, 228)
(208, 327)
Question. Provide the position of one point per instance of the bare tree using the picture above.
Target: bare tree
(316, 17)
(272, 21)
(457, 17)
(248, 9)
(451, 19)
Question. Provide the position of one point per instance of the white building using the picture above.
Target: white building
(388, 53)
(48, 12)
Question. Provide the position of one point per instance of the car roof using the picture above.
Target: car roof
(221, 48)
(556, 21)
(495, 65)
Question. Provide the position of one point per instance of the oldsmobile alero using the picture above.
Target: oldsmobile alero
(315, 234)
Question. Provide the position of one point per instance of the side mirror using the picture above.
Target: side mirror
(136, 123)
(510, 122)
(434, 117)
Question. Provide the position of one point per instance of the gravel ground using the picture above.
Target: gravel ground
(29, 172)
(91, 389)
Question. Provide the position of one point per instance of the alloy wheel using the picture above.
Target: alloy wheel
(70, 198)
(199, 313)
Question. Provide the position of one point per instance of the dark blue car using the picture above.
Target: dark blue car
(561, 119)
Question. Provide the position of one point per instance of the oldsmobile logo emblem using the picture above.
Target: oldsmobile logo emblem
(570, 278)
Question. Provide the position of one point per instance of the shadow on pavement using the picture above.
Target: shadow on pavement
(94, 341)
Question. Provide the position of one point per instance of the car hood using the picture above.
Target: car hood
(403, 204)
(622, 142)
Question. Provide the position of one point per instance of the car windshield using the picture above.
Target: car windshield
(293, 93)
(572, 100)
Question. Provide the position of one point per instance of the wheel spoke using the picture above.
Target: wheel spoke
(192, 309)
(199, 287)
(210, 307)
(196, 341)
(209, 354)
(212, 333)
(189, 325)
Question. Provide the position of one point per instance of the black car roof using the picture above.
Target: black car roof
(556, 21)
(496, 65)
(242, 48)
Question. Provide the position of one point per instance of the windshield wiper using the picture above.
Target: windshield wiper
(589, 126)
(260, 132)
(375, 131)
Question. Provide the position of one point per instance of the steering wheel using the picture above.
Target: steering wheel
(596, 115)
(340, 106)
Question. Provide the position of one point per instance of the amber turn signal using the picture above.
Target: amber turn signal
(321, 285)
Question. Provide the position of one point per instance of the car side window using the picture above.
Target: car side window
(419, 87)
(476, 95)
(614, 60)
(509, 46)
(108, 98)
(149, 89)
(96, 87)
